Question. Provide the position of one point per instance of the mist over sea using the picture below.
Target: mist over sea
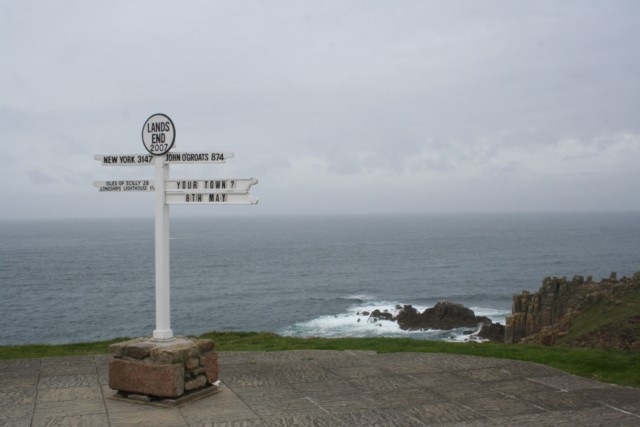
(77, 280)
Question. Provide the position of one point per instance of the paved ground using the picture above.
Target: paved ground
(324, 388)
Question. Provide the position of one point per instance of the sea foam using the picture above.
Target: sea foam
(357, 321)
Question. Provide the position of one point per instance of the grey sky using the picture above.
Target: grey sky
(335, 106)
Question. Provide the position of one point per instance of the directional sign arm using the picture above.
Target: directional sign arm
(125, 185)
(181, 186)
(125, 159)
(206, 157)
(209, 199)
(218, 185)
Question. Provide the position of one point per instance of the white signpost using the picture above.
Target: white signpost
(158, 137)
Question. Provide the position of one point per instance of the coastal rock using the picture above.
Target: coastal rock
(530, 313)
(547, 315)
(380, 315)
(444, 315)
(492, 332)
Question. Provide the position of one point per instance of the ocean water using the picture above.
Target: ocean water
(77, 280)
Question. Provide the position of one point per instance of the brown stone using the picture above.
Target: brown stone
(205, 346)
(139, 397)
(548, 339)
(118, 349)
(175, 353)
(192, 363)
(198, 382)
(132, 376)
(210, 362)
(138, 350)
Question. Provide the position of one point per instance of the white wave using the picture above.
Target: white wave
(358, 297)
(465, 335)
(357, 322)
(496, 315)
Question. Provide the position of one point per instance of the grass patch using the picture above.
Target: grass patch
(608, 320)
(31, 351)
(609, 366)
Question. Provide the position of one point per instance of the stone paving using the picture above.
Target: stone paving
(324, 388)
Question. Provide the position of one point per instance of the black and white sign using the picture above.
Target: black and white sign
(125, 159)
(125, 185)
(158, 134)
(209, 199)
(206, 157)
(228, 185)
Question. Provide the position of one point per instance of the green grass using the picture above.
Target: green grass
(609, 318)
(604, 365)
(31, 351)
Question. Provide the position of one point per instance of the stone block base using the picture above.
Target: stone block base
(162, 369)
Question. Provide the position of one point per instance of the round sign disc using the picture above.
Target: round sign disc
(158, 134)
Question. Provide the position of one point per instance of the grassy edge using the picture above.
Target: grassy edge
(610, 366)
(35, 351)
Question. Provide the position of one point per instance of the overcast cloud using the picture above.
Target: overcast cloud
(335, 106)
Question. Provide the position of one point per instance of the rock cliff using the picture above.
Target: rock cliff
(444, 315)
(549, 314)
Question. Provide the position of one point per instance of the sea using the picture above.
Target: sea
(64, 281)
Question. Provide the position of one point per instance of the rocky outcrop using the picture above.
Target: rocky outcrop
(380, 315)
(548, 314)
(492, 332)
(444, 315)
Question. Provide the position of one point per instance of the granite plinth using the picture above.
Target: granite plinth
(162, 369)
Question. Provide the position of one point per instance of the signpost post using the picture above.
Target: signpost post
(163, 294)
(158, 137)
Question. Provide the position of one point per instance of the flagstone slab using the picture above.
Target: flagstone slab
(324, 388)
